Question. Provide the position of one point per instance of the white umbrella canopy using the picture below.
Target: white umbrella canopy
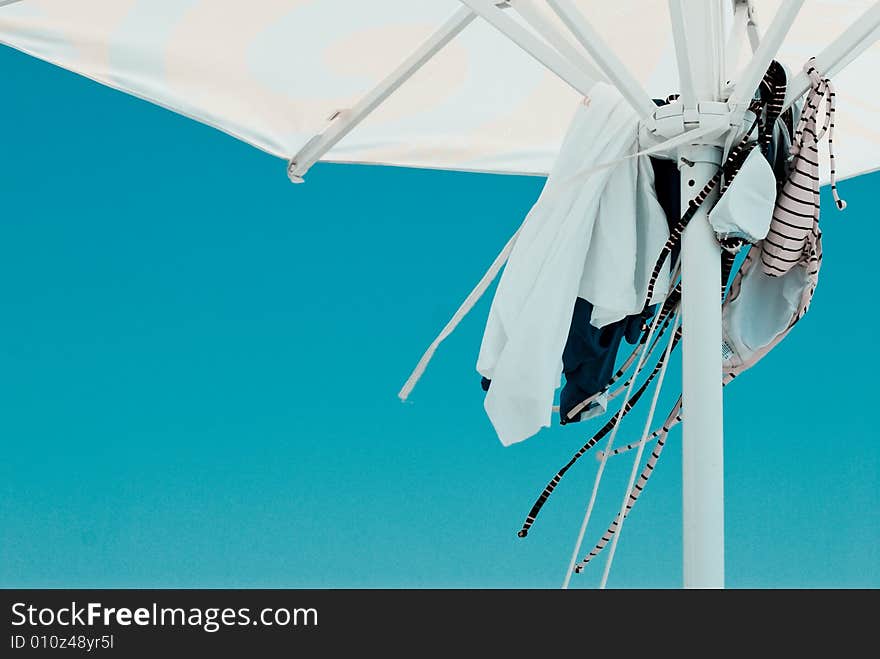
(485, 85)
(272, 72)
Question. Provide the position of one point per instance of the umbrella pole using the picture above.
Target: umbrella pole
(703, 426)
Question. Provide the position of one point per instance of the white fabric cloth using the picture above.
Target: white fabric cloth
(746, 207)
(597, 238)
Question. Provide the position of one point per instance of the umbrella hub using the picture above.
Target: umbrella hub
(710, 123)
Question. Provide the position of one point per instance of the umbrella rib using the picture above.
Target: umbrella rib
(682, 56)
(342, 122)
(556, 37)
(546, 55)
(610, 64)
(851, 43)
(750, 78)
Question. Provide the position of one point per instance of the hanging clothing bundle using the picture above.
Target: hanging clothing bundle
(591, 351)
(589, 267)
(749, 180)
(765, 300)
(773, 288)
(593, 238)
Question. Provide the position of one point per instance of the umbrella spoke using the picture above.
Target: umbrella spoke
(857, 38)
(537, 48)
(593, 43)
(556, 38)
(342, 122)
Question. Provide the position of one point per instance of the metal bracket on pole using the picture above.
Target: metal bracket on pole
(857, 38)
(750, 78)
(742, 12)
(342, 122)
(610, 64)
(752, 28)
(579, 80)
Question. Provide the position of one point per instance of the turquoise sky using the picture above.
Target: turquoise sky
(199, 364)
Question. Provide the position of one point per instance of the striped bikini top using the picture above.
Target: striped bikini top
(794, 228)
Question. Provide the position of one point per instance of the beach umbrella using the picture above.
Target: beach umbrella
(487, 86)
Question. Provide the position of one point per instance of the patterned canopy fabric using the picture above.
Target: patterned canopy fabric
(272, 72)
